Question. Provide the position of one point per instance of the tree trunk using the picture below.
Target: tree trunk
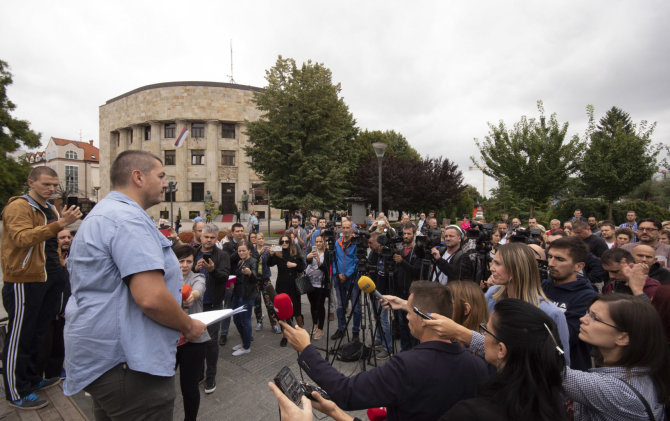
(610, 206)
(532, 209)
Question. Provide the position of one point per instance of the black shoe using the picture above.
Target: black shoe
(223, 340)
(210, 386)
(337, 335)
(32, 401)
(283, 342)
(354, 337)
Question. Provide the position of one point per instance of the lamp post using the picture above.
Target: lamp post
(379, 148)
(172, 189)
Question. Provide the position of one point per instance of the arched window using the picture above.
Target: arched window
(70, 155)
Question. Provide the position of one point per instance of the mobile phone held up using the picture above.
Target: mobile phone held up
(422, 314)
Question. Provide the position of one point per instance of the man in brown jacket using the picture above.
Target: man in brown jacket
(29, 228)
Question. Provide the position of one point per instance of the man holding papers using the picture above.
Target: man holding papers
(124, 316)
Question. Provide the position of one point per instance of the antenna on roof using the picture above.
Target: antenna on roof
(80, 135)
(231, 62)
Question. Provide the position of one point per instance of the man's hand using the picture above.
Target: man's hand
(195, 330)
(342, 277)
(397, 258)
(289, 410)
(394, 302)
(297, 337)
(636, 275)
(435, 252)
(69, 215)
(329, 408)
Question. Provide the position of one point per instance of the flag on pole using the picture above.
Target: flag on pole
(181, 137)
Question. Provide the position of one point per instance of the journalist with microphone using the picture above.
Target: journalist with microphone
(420, 384)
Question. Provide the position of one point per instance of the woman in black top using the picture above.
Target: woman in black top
(244, 295)
(289, 263)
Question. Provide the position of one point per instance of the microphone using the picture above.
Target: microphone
(284, 307)
(368, 286)
(376, 414)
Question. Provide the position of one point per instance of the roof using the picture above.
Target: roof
(187, 83)
(35, 156)
(89, 150)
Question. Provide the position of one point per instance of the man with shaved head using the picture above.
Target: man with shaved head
(647, 255)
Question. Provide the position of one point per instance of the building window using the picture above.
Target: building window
(197, 157)
(228, 130)
(70, 155)
(170, 157)
(169, 130)
(72, 179)
(197, 192)
(130, 135)
(198, 130)
(228, 158)
(147, 132)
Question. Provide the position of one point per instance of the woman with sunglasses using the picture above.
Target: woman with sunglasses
(519, 340)
(290, 263)
(632, 380)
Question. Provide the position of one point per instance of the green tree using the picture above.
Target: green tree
(620, 155)
(13, 133)
(303, 145)
(533, 158)
(398, 146)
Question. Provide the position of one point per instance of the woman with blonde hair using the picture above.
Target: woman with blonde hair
(515, 274)
(470, 308)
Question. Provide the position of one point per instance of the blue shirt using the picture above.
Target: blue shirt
(104, 326)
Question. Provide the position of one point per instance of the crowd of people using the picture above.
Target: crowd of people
(567, 323)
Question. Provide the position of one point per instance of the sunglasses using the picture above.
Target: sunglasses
(284, 242)
(483, 330)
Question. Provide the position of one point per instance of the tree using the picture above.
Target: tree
(302, 146)
(432, 183)
(620, 155)
(532, 159)
(398, 146)
(13, 133)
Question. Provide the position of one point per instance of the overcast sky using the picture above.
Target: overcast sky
(434, 71)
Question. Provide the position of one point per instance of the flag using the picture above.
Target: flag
(181, 137)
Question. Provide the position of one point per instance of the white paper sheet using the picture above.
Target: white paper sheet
(209, 317)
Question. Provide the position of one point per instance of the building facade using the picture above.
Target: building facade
(77, 164)
(209, 162)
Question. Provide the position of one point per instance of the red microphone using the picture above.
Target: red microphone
(284, 307)
(377, 414)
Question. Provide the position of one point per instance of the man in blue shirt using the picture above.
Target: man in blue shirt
(124, 316)
(344, 272)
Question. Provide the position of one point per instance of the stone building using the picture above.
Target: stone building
(77, 164)
(210, 159)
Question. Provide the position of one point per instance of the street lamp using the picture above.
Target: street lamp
(379, 148)
(172, 189)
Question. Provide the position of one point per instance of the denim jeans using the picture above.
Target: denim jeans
(227, 303)
(387, 341)
(243, 320)
(342, 291)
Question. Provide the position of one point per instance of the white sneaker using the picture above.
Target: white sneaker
(241, 351)
(238, 346)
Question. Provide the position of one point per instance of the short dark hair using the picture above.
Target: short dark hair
(615, 255)
(236, 225)
(655, 221)
(183, 251)
(322, 218)
(37, 172)
(432, 297)
(559, 233)
(128, 161)
(608, 224)
(577, 249)
(408, 226)
(580, 225)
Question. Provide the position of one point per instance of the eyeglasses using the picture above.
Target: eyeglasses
(595, 318)
(483, 330)
(648, 229)
(284, 242)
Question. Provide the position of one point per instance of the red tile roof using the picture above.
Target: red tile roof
(86, 146)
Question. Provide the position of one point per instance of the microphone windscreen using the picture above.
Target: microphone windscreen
(283, 306)
(366, 285)
(376, 414)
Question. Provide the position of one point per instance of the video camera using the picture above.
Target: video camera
(328, 234)
(424, 243)
(526, 235)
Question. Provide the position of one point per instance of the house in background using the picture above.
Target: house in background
(78, 166)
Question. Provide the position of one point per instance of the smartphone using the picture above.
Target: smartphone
(422, 314)
(287, 383)
(207, 257)
(276, 248)
(314, 249)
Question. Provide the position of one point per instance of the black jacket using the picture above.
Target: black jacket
(406, 272)
(286, 276)
(457, 268)
(661, 274)
(245, 285)
(216, 281)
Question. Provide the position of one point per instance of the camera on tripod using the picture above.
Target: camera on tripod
(526, 235)
(481, 233)
(424, 243)
(328, 235)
